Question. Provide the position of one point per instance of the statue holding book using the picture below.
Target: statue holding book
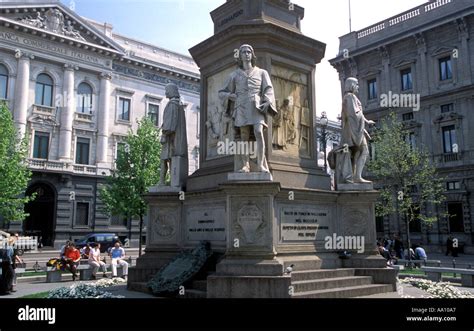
(248, 99)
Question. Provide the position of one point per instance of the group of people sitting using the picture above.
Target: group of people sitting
(392, 250)
(71, 256)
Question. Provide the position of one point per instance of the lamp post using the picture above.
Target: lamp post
(323, 137)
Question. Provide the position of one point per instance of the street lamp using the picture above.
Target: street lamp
(324, 136)
(323, 121)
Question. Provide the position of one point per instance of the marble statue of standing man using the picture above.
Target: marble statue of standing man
(248, 97)
(353, 134)
(173, 139)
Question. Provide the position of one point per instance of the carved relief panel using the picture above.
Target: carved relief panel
(292, 126)
(218, 126)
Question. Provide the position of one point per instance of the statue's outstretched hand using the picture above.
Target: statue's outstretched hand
(370, 122)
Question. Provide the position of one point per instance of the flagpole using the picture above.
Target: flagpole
(350, 17)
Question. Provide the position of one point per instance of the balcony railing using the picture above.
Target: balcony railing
(44, 110)
(83, 117)
(450, 157)
(412, 13)
(62, 166)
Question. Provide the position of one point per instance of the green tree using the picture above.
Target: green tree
(409, 181)
(14, 172)
(137, 168)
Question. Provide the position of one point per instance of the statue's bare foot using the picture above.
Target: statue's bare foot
(263, 169)
(244, 169)
(361, 181)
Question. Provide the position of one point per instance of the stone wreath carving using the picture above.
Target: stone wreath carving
(180, 270)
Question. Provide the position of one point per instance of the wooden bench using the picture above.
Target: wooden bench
(434, 274)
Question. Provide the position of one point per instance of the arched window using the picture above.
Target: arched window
(3, 81)
(84, 98)
(44, 90)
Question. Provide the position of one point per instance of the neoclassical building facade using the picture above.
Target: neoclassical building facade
(75, 89)
(426, 53)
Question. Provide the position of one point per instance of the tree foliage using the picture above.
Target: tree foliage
(137, 168)
(14, 172)
(409, 181)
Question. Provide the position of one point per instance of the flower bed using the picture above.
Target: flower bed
(86, 291)
(438, 289)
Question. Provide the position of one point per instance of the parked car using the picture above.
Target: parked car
(106, 240)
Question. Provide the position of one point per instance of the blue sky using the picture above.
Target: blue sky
(180, 24)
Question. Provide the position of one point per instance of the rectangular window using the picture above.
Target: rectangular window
(82, 213)
(411, 139)
(453, 185)
(121, 146)
(456, 218)
(44, 95)
(124, 109)
(41, 145)
(372, 87)
(449, 139)
(445, 68)
(153, 112)
(447, 108)
(3, 86)
(415, 224)
(407, 82)
(119, 220)
(407, 116)
(82, 151)
(379, 223)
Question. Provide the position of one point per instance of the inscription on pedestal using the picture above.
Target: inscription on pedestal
(205, 224)
(304, 223)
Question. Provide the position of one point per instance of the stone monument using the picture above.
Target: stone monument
(353, 151)
(174, 152)
(260, 224)
(248, 98)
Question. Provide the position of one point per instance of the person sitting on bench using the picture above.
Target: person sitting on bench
(95, 261)
(118, 255)
(71, 259)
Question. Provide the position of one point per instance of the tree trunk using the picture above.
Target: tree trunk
(408, 237)
(140, 236)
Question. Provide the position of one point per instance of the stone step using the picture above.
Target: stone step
(302, 265)
(194, 294)
(338, 282)
(200, 285)
(139, 287)
(346, 292)
(321, 273)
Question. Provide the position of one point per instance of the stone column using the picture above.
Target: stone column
(103, 120)
(463, 55)
(423, 79)
(22, 91)
(67, 114)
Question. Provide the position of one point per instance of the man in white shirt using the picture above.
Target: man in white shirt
(118, 255)
(95, 261)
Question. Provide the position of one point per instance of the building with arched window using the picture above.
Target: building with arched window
(75, 89)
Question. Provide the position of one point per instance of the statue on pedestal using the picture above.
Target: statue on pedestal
(354, 135)
(173, 138)
(248, 97)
